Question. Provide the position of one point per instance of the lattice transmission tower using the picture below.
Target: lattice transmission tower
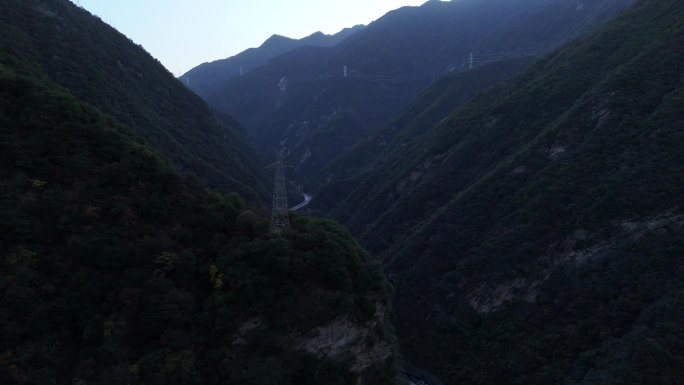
(279, 211)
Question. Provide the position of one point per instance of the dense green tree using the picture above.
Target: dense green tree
(117, 268)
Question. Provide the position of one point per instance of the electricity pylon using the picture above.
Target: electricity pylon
(279, 211)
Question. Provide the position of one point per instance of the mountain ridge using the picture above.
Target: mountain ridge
(207, 78)
(302, 99)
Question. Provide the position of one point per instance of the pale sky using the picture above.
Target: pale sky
(184, 33)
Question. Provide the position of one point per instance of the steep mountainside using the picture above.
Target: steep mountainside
(431, 106)
(115, 268)
(535, 235)
(303, 100)
(105, 69)
(207, 78)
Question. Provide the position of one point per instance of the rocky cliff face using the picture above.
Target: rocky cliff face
(362, 346)
(367, 350)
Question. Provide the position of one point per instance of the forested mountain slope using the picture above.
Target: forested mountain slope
(431, 106)
(302, 99)
(116, 268)
(103, 68)
(535, 236)
(207, 78)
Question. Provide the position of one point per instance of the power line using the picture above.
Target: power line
(468, 61)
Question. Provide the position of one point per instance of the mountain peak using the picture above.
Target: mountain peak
(275, 40)
(207, 78)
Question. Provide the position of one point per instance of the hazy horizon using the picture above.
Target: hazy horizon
(182, 35)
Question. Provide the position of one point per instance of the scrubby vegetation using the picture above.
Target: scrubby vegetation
(105, 69)
(536, 231)
(117, 268)
(533, 235)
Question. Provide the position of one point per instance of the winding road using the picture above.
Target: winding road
(307, 199)
(416, 376)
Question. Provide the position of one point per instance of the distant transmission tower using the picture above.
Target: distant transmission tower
(279, 211)
(471, 62)
(283, 84)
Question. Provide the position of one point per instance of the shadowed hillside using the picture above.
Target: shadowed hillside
(116, 268)
(103, 68)
(535, 234)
